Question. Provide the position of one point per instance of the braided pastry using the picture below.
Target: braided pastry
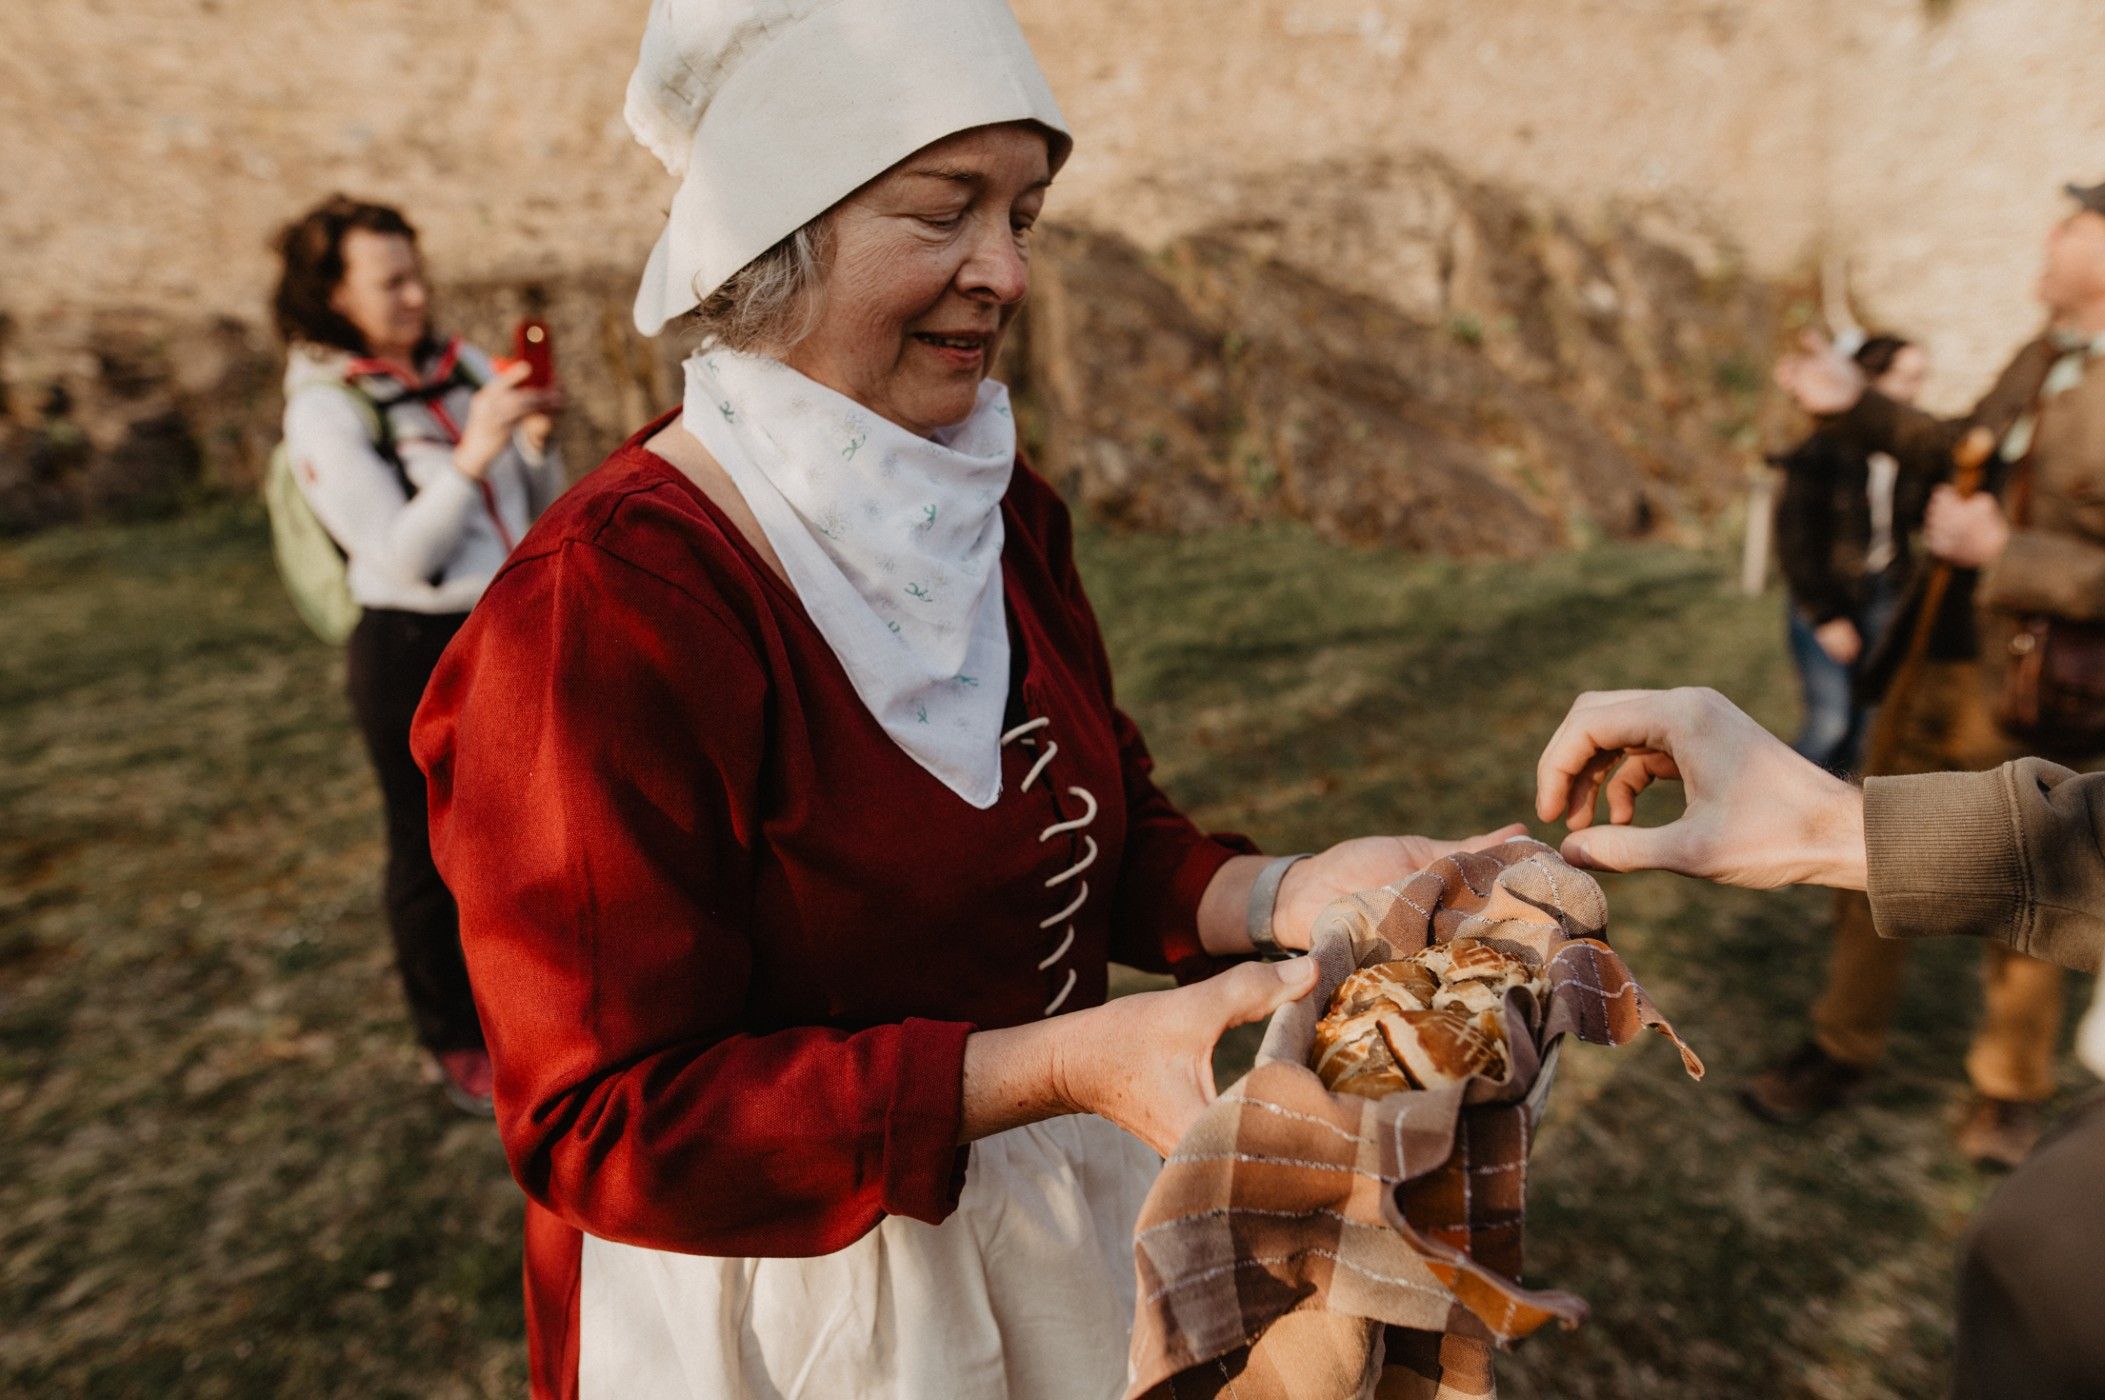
(1433, 1019)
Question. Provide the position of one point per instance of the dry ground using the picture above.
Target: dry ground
(220, 1176)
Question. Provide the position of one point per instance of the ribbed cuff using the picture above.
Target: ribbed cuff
(1944, 856)
(924, 1166)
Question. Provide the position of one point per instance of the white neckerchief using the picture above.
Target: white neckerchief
(892, 540)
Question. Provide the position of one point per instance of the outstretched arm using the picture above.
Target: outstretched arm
(2016, 854)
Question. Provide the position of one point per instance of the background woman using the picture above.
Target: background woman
(425, 469)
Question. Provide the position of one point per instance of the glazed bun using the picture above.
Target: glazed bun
(1352, 1058)
(1434, 1019)
(1469, 998)
(1472, 960)
(1404, 985)
(1439, 1048)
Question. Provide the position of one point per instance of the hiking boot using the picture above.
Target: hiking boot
(467, 1077)
(1997, 1134)
(1802, 1086)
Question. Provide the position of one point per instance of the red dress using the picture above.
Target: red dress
(727, 939)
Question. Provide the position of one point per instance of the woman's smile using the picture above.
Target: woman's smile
(964, 351)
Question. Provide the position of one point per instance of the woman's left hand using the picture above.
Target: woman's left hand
(1363, 863)
(534, 431)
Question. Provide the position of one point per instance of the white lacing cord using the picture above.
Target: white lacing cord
(1087, 860)
(1081, 898)
(1088, 799)
(1022, 729)
(1059, 952)
(1020, 734)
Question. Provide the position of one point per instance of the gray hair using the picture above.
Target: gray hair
(774, 301)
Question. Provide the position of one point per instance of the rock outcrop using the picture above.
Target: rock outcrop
(1399, 355)
(1392, 351)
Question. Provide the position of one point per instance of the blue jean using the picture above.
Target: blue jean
(1832, 733)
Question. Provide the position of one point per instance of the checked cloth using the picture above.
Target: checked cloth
(1304, 1245)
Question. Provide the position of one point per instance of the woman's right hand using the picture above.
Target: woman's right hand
(1145, 1062)
(496, 410)
(1820, 379)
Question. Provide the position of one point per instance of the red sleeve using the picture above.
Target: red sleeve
(593, 744)
(1168, 862)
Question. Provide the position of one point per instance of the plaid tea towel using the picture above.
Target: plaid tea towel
(1305, 1245)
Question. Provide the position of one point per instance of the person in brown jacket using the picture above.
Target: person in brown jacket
(2014, 856)
(2033, 545)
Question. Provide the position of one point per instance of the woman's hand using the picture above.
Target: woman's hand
(1758, 815)
(1146, 1061)
(497, 409)
(1819, 379)
(1841, 641)
(1363, 863)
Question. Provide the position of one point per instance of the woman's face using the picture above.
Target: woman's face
(1904, 378)
(929, 264)
(383, 292)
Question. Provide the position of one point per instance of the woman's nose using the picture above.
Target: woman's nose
(997, 270)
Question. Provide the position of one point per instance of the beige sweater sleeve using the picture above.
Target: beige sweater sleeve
(2016, 854)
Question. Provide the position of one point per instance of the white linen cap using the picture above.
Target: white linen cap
(772, 111)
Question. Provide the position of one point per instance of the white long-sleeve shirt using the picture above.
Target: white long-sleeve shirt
(433, 552)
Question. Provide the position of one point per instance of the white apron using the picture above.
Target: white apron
(1024, 1293)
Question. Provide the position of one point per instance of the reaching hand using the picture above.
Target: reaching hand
(1757, 814)
(1820, 379)
(1146, 1061)
(1364, 863)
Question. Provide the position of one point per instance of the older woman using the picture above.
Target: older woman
(781, 784)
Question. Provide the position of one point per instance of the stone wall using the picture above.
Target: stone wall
(154, 146)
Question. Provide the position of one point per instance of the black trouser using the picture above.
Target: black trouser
(2032, 1276)
(391, 656)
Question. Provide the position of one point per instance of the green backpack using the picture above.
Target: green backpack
(310, 561)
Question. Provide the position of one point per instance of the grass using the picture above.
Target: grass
(221, 1176)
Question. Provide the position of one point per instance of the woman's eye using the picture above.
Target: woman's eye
(943, 221)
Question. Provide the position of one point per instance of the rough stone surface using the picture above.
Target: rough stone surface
(1640, 145)
(1541, 385)
(153, 146)
(1528, 385)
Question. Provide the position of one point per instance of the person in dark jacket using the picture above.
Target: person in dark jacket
(1842, 527)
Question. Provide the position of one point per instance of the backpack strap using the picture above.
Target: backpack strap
(381, 430)
(378, 429)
